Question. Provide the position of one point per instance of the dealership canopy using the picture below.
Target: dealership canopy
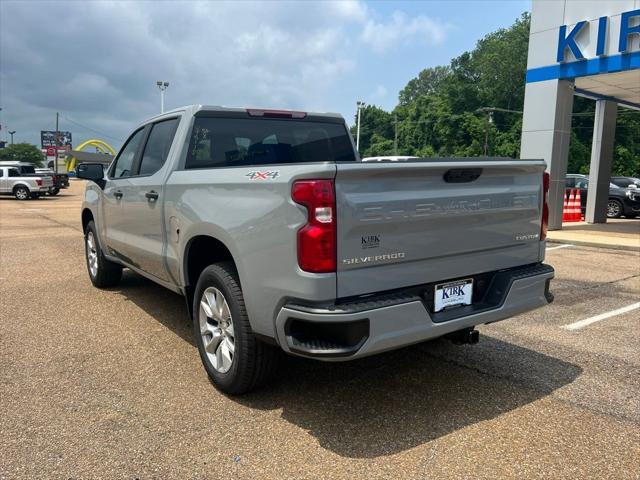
(586, 48)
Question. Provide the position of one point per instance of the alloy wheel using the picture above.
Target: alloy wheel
(92, 254)
(613, 209)
(216, 329)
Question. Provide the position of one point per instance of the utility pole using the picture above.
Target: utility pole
(11, 132)
(395, 134)
(55, 159)
(162, 85)
(489, 120)
(360, 106)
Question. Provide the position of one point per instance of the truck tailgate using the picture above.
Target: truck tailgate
(406, 224)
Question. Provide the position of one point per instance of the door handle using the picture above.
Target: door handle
(152, 195)
(118, 194)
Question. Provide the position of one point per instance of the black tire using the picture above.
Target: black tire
(35, 196)
(21, 192)
(54, 191)
(615, 209)
(107, 274)
(254, 362)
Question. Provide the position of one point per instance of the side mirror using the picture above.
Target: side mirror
(91, 171)
(633, 185)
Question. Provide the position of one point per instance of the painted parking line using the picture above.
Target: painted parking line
(566, 245)
(603, 316)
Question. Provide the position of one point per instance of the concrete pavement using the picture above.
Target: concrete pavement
(108, 384)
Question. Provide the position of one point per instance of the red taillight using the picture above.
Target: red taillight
(39, 182)
(317, 239)
(545, 205)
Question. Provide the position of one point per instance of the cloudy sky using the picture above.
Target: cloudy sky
(97, 62)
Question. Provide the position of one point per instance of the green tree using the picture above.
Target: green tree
(373, 120)
(428, 81)
(438, 111)
(22, 152)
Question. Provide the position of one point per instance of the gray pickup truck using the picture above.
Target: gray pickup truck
(281, 239)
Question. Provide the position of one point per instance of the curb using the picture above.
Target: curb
(610, 246)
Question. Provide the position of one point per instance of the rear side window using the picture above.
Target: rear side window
(231, 142)
(13, 172)
(157, 147)
(124, 162)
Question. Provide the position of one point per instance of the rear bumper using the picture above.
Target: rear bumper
(350, 331)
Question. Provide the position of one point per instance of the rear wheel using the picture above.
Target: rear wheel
(102, 272)
(235, 360)
(614, 208)
(21, 193)
(53, 191)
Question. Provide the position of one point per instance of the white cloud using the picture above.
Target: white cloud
(100, 66)
(383, 36)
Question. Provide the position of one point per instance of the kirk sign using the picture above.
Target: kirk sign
(629, 26)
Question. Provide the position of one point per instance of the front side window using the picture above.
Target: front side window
(124, 162)
(235, 142)
(158, 145)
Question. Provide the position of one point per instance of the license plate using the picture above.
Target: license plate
(452, 294)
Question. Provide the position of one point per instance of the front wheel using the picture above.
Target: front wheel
(53, 191)
(235, 360)
(102, 272)
(614, 208)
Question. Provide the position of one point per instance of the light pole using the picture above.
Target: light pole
(360, 106)
(11, 132)
(162, 86)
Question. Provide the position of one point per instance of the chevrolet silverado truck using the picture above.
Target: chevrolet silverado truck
(23, 186)
(280, 238)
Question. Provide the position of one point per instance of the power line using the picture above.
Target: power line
(91, 129)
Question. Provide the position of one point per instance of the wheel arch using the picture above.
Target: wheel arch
(87, 216)
(200, 251)
(21, 184)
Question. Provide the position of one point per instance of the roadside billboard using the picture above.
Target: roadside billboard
(48, 139)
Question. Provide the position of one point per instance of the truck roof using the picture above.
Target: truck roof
(194, 109)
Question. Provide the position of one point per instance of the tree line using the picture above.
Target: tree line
(443, 111)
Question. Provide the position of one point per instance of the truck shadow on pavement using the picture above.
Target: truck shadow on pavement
(391, 402)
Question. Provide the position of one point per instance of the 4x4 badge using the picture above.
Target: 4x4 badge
(268, 175)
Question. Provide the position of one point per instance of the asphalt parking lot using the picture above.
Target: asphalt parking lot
(108, 384)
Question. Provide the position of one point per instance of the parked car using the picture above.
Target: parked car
(60, 180)
(281, 240)
(626, 182)
(621, 201)
(27, 169)
(12, 182)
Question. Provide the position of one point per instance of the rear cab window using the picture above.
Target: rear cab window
(236, 142)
